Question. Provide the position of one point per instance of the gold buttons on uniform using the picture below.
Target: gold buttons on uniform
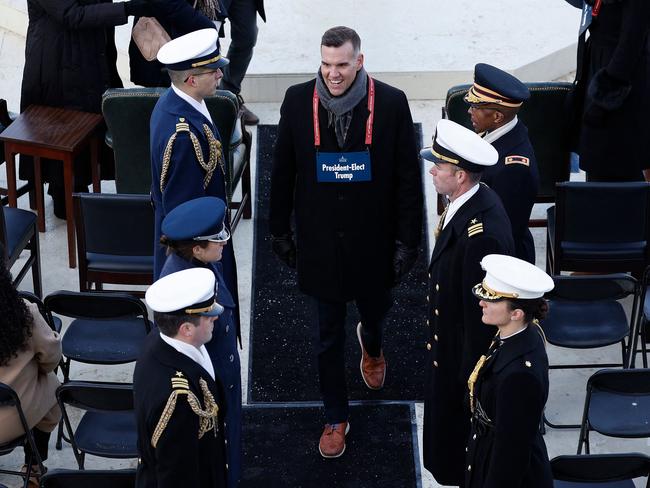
(435, 337)
(435, 364)
(469, 468)
(427, 298)
(429, 275)
(427, 321)
(436, 312)
(437, 287)
(428, 346)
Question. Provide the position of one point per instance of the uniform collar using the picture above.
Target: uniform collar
(199, 356)
(200, 107)
(501, 131)
(459, 202)
(516, 346)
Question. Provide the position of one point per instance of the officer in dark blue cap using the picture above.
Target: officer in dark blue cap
(196, 235)
(494, 101)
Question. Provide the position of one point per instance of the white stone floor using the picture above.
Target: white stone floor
(429, 36)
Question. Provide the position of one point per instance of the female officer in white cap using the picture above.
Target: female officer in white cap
(195, 235)
(509, 385)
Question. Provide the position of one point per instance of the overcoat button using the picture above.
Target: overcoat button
(435, 364)
(435, 337)
(428, 346)
(436, 312)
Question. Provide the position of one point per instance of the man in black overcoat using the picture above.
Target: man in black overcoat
(494, 101)
(473, 225)
(178, 399)
(345, 164)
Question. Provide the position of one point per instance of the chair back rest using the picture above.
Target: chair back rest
(603, 213)
(584, 288)
(101, 306)
(96, 396)
(4, 251)
(121, 225)
(545, 115)
(600, 468)
(9, 398)
(127, 112)
(625, 381)
(96, 478)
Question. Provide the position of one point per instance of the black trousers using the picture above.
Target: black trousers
(242, 15)
(329, 346)
(41, 439)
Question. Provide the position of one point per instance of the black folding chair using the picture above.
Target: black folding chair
(9, 398)
(599, 227)
(108, 328)
(585, 312)
(95, 478)
(54, 322)
(18, 233)
(108, 427)
(600, 470)
(643, 322)
(617, 405)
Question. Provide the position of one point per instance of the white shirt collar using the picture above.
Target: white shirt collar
(512, 335)
(456, 204)
(501, 131)
(199, 355)
(200, 106)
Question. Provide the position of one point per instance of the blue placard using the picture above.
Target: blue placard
(343, 167)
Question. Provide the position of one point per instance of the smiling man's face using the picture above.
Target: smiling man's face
(339, 67)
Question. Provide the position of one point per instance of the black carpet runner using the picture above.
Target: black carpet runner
(281, 448)
(282, 367)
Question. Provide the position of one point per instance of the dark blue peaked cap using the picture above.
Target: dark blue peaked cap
(495, 86)
(198, 219)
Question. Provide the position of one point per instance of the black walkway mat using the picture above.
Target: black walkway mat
(282, 366)
(281, 448)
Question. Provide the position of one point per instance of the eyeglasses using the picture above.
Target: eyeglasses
(211, 72)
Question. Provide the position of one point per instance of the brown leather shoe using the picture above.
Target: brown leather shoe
(248, 117)
(332, 440)
(373, 370)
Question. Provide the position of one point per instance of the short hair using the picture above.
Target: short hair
(473, 176)
(179, 77)
(169, 323)
(339, 35)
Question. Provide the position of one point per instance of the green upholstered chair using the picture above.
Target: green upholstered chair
(127, 112)
(546, 115)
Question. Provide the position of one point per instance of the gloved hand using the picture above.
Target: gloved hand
(285, 248)
(605, 94)
(139, 8)
(403, 261)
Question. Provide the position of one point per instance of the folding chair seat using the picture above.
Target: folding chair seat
(599, 227)
(599, 470)
(107, 328)
(617, 404)
(108, 427)
(18, 233)
(9, 398)
(95, 478)
(585, 312)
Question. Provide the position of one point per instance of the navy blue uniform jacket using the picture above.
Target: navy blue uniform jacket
(180, 458)
(457, 335)
(512, 388)
(517, 185)
(185, 177)
(346, 232)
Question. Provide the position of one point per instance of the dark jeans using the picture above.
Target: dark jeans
(329, 345)
(242, 15)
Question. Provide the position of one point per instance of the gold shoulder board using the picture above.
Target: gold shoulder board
(475, 227)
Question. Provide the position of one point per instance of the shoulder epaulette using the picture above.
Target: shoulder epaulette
(207, 416)
(475, 227)
(182, 126)
(517, 160)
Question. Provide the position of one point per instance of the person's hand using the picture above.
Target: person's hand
(139, 8)
(403, 261)
(285, 248)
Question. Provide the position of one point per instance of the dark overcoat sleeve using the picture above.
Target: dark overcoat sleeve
(476, 335)
(73, 15)
(519, 405)
(632, 41)
(283, 173)
(408, 179)
(513, 184)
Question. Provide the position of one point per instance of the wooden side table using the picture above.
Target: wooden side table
(53, 133)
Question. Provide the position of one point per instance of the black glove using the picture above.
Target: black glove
(284, 248)
(139, 8)
(604, 95)
(403, 261)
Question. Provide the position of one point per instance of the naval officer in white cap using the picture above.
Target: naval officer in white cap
(509, 385)
(186, 153)
(473, 225)
(178, 400)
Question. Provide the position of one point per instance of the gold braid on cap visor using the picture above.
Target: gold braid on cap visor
(483, 291)
(206, 61)
(478, 94)
(193, 311)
